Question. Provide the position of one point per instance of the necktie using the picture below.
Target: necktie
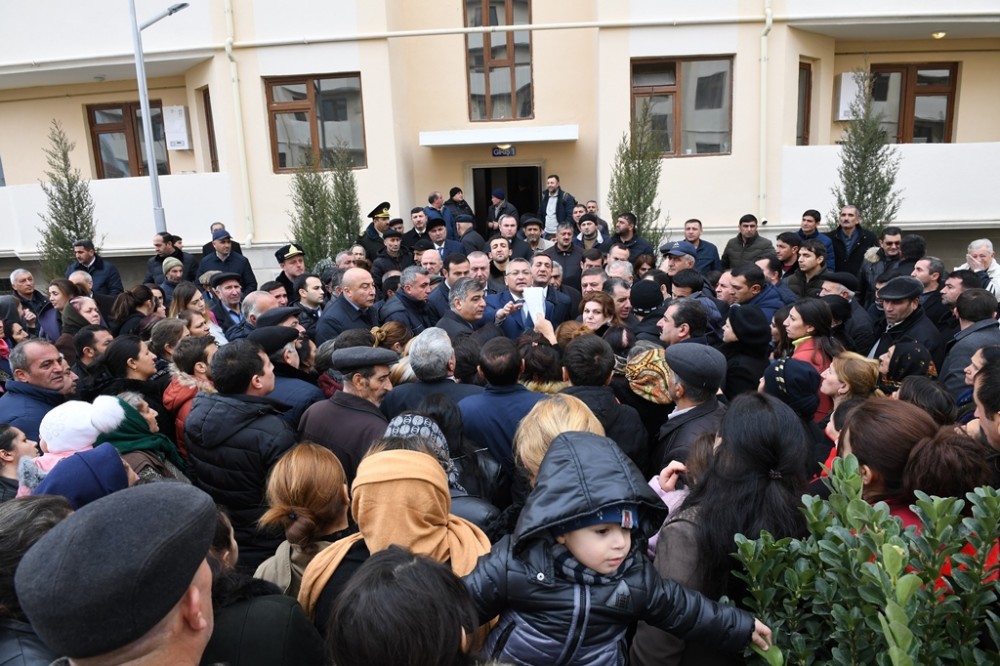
(441, 252)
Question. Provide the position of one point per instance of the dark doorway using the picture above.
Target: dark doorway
(522, 184)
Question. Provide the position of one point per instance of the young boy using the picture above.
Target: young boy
(572, 576)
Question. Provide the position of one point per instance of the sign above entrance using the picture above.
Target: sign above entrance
(505, 150)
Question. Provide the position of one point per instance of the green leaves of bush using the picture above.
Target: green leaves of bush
(859, 589)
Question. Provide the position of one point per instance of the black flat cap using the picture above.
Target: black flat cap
(845, 280)
(273, 338)
(355, 358)
(106, 575)
(532, 220)
(901, 288)
(226, 277)
(423, 244)
(392, 233)
(464, 217)
(275, 316)
(381, 210)
(697, 365)
(435, 222)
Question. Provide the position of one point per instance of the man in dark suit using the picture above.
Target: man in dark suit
(511, 316)
(437, 230)
(225, 260)
(351, 309)
(468, 313)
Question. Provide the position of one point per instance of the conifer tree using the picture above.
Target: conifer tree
(70, 209)
(635, 177)
(868, 164)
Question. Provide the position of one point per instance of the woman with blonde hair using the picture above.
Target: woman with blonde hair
(307, 495)
(850, 375)
(548, 419)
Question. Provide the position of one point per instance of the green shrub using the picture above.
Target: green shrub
(859, 589)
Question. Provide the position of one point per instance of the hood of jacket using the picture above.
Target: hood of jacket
(215, 417)
(182, 389)
(580, 474)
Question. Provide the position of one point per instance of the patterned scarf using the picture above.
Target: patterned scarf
(571, 569)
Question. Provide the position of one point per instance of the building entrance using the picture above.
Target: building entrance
(521, 184)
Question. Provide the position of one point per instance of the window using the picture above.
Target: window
(499, 63)
(689, 103)
(917, 102)
(312, 116)
(119, 143)
(804, 108)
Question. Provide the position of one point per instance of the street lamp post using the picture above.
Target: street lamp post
(147, 120)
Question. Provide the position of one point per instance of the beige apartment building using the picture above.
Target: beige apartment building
(749, 99)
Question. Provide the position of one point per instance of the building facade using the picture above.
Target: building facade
(748, 99)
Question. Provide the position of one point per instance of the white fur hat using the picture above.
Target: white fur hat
(76, 425)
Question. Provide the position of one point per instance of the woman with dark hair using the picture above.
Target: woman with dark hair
(23, 522)
(163, 338)
(159, 302)
(781, 345)
(757, 474)
(597, 311)
(930, 396)
(881, 433)
(620, 338)
(746, 338)
(542, 364)
(809, 326)
(129, 365)
(904, 359)
(402, 609)
(13, 446)
(129, 309)
(642, 265)
(187, 296)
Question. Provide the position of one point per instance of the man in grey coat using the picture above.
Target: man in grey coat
(976, 310)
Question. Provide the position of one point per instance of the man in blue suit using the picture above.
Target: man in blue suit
(511, 316)
(437, 231)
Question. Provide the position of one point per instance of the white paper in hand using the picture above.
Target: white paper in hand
(534, 301)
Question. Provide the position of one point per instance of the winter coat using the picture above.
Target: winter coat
(621, 422)
(874, 265)
(105, 276)
(810, 352)
(234, 263)
(413, 314)
(859, 329)
(340, 316)
(345, 424)
(293, 388)
(24, 405)
(679, 432)
(707, 258)
(384, 263)
(852, 263)
(739, 252)
(636, 247)
(804, 287)
(918, 327)
(745, 365)
(960, 351)
(232, 442)
(565, 203)
(372, 241)
(769, 300)
(492, 417)
(154, 267)
(409, 396)
(550, 618)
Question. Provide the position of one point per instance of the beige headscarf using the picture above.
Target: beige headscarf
(401, 498)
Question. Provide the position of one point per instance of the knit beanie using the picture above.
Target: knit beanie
(171, 262)
(750, 324)
(70, 426)
(625, 514)
(795, 383)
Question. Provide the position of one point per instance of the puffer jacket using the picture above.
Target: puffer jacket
(550, 619)
(232, 443)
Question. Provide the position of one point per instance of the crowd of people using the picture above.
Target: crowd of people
(503, 439)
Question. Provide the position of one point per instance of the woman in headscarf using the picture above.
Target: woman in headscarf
(905, 358)
(132, 429)
(399, 497)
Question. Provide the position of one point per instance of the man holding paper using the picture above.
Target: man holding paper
(520, 303)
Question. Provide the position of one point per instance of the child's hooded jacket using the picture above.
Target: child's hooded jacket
(549, 618)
